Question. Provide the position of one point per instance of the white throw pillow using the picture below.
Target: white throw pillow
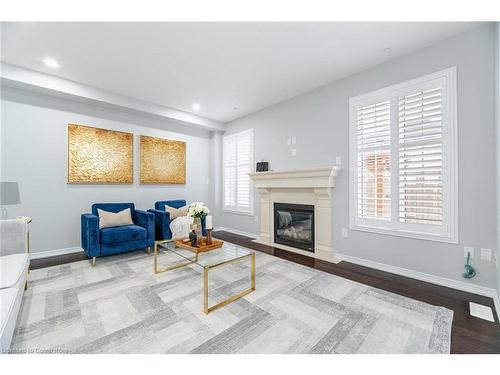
(176, 212)
(111, 219)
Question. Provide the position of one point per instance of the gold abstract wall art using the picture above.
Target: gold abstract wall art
(163, 161)
(99, 156)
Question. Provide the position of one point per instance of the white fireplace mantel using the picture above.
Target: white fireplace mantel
(309, 186)
(305, 178)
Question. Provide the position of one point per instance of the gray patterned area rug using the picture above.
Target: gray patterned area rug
(120, 306)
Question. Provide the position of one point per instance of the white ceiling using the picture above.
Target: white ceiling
(230, 69)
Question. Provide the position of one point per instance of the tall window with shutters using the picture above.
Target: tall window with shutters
(237, 150)
(403, 175)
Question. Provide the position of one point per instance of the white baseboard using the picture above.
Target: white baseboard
(438, 280)
(56, 252)
(240, 232)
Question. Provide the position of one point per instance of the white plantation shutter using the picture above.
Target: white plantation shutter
(421, 157)
(403, 159)
(237, 163)
(373, 161)
(242, 170)
(229, 155)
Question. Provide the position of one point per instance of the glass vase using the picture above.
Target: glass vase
(198, 229)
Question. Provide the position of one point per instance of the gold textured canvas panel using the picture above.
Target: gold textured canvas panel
(99, 156)
(163, 161)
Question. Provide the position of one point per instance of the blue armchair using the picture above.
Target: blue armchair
(107, 241)
(162, 218)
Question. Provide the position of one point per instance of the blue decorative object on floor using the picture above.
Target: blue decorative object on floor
(470, 272)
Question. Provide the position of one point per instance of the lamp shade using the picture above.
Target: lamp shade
(9, 193)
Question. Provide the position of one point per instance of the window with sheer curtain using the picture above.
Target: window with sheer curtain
(403, 159)
(237, 150)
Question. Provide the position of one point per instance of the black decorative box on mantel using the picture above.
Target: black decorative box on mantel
(262, 166)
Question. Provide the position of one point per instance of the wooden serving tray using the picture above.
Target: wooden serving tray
(184, 243)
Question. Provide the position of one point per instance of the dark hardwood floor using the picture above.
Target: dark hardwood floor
(56, 260)
(468, 335)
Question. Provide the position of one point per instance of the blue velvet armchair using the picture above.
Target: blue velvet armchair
(162, 218)
(107, 241)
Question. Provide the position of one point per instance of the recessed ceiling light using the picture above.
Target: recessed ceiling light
(51, 63)
(196, 106)
(387, 50)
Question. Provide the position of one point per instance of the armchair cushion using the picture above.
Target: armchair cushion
(112, 207)
(176, 212)
(112, 219)
(122, 234)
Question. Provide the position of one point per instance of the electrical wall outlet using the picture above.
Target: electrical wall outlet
(469, 249)
(344, 232)
(486, 254)
(338, 160)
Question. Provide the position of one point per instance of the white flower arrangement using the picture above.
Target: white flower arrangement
(198, 209)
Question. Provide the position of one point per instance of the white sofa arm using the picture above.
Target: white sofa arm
(13, 236)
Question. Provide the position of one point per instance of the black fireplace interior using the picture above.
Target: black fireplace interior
(294, 225)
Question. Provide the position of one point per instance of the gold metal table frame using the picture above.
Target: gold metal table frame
(208, 309)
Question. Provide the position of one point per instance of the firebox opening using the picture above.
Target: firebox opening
(294, 225)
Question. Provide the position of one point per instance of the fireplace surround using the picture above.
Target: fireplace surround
(313, 187)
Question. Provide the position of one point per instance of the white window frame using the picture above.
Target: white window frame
(448, 232)
(235, 209)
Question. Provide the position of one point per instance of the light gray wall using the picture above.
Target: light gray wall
(497, 96)
(34, 153)
(319, 120)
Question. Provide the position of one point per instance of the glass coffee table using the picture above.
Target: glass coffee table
(208, 260)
